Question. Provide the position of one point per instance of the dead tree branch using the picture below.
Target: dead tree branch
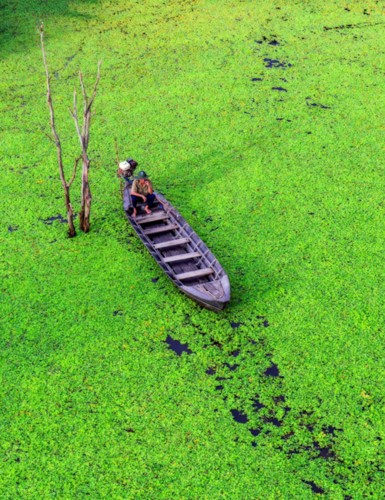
(56, 140)
(84, 137)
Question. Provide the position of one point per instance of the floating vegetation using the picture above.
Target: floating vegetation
(263, 124)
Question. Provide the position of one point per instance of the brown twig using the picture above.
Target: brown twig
(56, 140)
(74, 171)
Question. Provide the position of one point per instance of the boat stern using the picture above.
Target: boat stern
(213, 295)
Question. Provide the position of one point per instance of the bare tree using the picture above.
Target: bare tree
(84, 137)
(56, 140)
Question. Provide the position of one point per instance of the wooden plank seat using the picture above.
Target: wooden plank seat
(181, 257)
(199, 273)
(171, 243)
(144, 219)
(160, 229)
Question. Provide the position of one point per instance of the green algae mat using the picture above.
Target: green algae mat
(263, 123)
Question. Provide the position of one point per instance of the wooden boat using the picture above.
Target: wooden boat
(180, 252)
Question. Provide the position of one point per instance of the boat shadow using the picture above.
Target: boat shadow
(236, 246)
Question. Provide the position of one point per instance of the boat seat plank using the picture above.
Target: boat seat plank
(171, 243)
(181, 257)
(195, 274)
(144, 219)
(160, 229)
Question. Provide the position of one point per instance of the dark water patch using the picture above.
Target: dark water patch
(219, 387)
(254, 444)
(11, 229)
(235, 353)
(255, 432)
(51, 220)
(232, 368)
(216, 344)
(352, 26)
(314, 487)
(279, 399)
(239, 416)
(280, 89)
(332, 430)
(316, 104)
(234, 324)
(275, 63)
(273, 42)
(210, 371)
(154, 280)
(306, 413)
(257, 405)
(265, 323)
(324, 452)
(256, 79)
(310, 427)
(273, 420)
(118, 312)
(272, 371)
(177, 346)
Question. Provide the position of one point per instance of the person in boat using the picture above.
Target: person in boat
(142, 191)
(126, 169)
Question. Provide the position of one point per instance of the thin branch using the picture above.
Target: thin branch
(50, 106)
(85, 98)
(74, 172)
(50, 137)
(74, 115)
(88, 104)
(95, 86)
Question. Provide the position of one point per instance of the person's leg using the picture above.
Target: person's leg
(150, 198)
(135, 201)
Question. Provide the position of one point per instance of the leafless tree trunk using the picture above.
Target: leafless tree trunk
(84, 137)
(56, 140)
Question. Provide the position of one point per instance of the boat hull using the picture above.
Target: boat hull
(180, 253)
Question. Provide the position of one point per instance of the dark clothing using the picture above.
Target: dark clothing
(150, 198)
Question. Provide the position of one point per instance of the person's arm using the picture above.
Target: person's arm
(149, 185)
(135, 193)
